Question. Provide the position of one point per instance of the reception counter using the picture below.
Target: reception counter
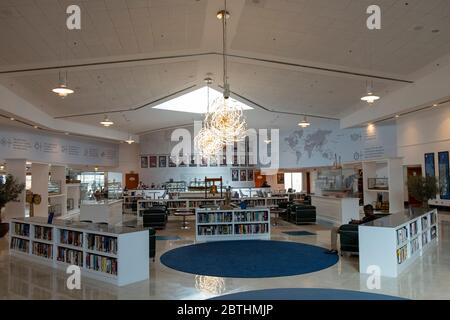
(336, 210)
(109, 211)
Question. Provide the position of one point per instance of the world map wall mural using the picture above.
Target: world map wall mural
(322, 145)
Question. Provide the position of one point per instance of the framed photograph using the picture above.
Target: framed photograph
(204, 162)
(280, 178)
(213, 162)
(234, 174)
(193, 161)
(444, 179)
(172, 161)
(243, 175)
(250, 175)
(429, 165)
(162, 161)
(153, 161)
(144, 162)
(182, 161)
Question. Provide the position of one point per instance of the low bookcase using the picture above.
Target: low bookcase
(394, 242)
(237, 224)
(118, 255)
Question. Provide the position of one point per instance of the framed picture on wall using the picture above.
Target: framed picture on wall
(213, 161)
(162, 161)
(429, 165)
(444, 179)
(193, 161)
(173, 161)
(144, 162)
(243, 175)
(250, 176)
(234, 175)
(280, 178)
(182, 161)
(153, 161)
(204, 162)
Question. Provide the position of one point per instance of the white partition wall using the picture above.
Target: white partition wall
(58, 173)
(39, 185)
(16, 167)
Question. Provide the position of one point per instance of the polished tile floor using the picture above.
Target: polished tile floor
(427, 278)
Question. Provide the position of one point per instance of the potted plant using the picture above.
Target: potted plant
(9, 191)
(423, 188)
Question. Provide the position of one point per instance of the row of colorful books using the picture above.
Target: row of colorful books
(102, 243)
(20, 244)
(402, 235)
(251, 216)
(70, 256)
(103, 264)
(43, 250)
(73, 238)
(251, 228)
(402, 254)
(215, 230)
(413, 228)
(43, 233)
(215, 217)
(22, 229)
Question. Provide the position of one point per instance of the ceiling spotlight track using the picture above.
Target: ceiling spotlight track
(194, 55)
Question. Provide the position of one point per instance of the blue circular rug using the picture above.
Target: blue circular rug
(249, 258)
(305, 294)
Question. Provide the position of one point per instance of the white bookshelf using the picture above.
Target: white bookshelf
(130, 255)
(174, 204)
(237, 224)
(394, 242)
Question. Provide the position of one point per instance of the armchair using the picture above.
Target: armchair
(155, 217)
(300, 214)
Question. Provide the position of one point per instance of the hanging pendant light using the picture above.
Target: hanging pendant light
(304, 123)
(370, 97)
(106, 121)
(130, 139)
(62, 90)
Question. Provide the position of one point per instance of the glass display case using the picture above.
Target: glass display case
(378, 183)
(54, 187)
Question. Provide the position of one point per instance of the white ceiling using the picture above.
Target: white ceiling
(320, 33)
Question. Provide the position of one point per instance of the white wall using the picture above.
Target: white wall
(128, 160)
(424, 132)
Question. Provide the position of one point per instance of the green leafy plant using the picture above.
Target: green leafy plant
(10, 190)
(423, 188)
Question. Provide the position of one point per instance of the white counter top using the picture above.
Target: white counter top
(335, 209)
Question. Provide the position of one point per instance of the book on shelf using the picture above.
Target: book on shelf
(251, 228)
(415, 245)
(102, 243)
(211, 217)
(101, 263)
(70, 237)
(413, 229)
(43, 233)
(215, 230)
(424, 223)
(22, 229)
(19, 244)
(402, 254)
(249, 216)
(402, 235)
(433, 232)
(433, 218)
(43, 250)
(424, 238)
(70, 256)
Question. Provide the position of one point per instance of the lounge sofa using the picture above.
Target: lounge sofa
(301, 214)
(155, 217)
(349, 237)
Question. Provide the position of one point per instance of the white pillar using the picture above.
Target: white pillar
(58, 173)
(16, 209)
(39, 185)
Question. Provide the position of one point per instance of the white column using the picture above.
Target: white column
(15, 209)
(58, 173)
(39, 185)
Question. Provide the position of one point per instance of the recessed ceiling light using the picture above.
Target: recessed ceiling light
(66, 133)
(12, 119)
(130, 140)
(397, 116)
(304, 123)
(435, 105)
(36, 127)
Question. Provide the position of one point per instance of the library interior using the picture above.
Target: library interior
(225, 149)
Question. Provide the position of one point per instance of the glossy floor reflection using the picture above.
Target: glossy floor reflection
(427, 278)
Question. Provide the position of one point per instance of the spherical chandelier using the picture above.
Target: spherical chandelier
(227, 121)
(207, 141)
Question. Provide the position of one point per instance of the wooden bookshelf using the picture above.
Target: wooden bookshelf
(400, 239)
(118, 255)
(238, 224)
